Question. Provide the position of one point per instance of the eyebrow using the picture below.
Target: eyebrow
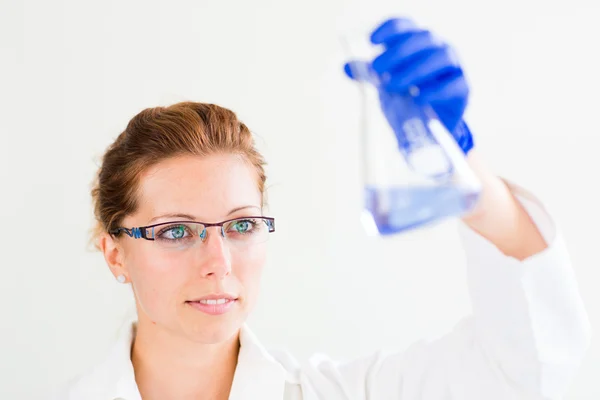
(190, 217)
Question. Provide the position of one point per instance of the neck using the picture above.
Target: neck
(168, 366)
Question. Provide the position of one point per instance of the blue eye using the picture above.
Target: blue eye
(174, 232)
(242, 226)
(177, 232)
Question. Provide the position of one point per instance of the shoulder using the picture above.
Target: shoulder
(322, 377)
(385, 373)
(90, 385)
(112, 377)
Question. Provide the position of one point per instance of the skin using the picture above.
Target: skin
(500, 218)
(180, 352)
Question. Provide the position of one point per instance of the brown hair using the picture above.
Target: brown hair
(159, 133)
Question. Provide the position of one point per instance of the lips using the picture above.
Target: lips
(213, 304)
(216, 296)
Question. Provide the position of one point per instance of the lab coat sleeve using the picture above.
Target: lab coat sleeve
(525, 339)
(529, 318)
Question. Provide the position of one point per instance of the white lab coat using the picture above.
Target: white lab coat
(525, 340)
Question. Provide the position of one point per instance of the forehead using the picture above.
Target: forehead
(206, 187)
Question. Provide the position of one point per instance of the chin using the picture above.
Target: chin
(213, 330)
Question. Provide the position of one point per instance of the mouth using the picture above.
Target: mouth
(214, 301)
(217, 304)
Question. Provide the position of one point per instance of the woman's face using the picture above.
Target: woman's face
(168, 283)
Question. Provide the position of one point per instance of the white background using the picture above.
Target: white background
(72, 73)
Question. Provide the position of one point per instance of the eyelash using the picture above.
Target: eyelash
(252, 222)
(166, 229)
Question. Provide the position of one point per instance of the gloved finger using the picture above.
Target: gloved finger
(420, 70)
(392, 29)
(361, 71)
(450, 85)
(403, 50)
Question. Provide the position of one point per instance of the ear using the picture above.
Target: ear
(113, 254)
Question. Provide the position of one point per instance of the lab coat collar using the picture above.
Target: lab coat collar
(120, 367)
(257, 376)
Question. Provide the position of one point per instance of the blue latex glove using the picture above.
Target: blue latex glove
(414, 57)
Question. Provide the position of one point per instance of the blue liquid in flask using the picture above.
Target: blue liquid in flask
(395, 210)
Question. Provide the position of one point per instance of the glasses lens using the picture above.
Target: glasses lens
(178, 235)
(247, 231)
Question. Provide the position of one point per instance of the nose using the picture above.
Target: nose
(216, 257)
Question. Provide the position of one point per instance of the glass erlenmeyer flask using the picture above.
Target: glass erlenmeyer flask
(414, 173)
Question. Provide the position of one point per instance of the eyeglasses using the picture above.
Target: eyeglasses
(181, 235)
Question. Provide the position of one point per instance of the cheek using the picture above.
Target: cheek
(247, 268)
(156, 283)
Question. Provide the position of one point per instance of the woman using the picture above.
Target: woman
(179, 202)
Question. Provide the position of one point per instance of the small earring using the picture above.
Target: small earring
(121, 278)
